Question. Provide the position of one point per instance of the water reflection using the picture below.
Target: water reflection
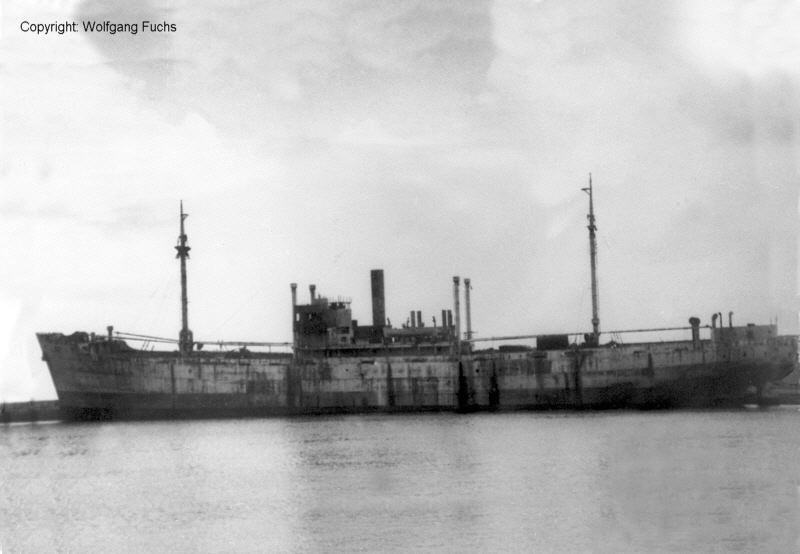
(594, 482)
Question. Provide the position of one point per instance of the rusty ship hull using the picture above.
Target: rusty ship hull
(101, 379)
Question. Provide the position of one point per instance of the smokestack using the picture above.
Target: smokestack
(294, 308)
(695, 323)
(313, 289)
(730, 320)
(450, 319)
(378, 298)
(444, 318)
(466, 307)
(457, 310)
(413, 319)
(419, 319)
(110, 332)
(294, 314)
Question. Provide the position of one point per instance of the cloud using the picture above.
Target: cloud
(277, 72)
(756, 37)
(371, 133)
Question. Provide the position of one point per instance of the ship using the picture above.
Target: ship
(334, 365)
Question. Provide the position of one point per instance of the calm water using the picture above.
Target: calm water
(525, 482)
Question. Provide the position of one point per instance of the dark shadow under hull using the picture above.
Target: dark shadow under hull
(95, 407)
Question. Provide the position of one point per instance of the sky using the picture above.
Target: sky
(313, 141)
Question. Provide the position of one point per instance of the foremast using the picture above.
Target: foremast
(186, 339)
(593, 255)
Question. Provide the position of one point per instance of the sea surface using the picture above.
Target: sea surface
(627, 481)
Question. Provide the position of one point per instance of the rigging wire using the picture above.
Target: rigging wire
(238, 310)
(580, 315)
(158, 294)
(171, 291)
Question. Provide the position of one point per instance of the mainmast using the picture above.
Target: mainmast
(593, 255)
(185, 340)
